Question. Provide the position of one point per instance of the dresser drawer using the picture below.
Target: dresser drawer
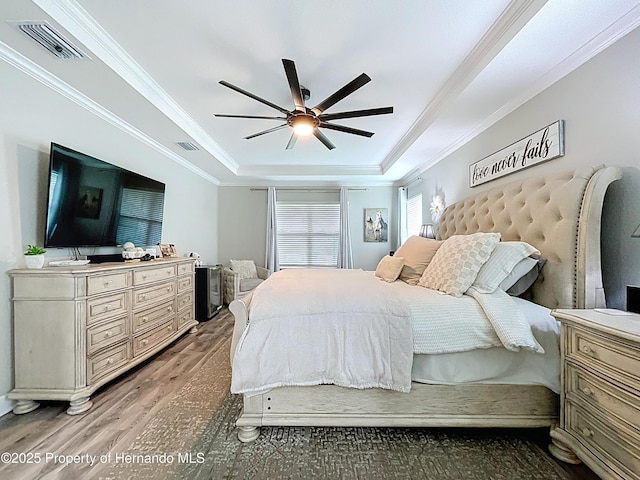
(108, 306)
(185, 268)
(596, 394)
(185, 317)
(604, 354)
(146, 318)
(107, 283)
(185, 283)
(107, 361)
(153, 337)
(150, 275)
(107, 333)
(143, 297)
(185, 300)
(609, 441)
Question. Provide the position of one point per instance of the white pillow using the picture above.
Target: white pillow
(523, 267)
(457, 262)
(244, 268)
(503, 259)
(389, 268)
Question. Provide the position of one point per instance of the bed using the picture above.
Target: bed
(559, 214)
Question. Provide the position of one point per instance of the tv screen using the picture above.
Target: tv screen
(92, 203)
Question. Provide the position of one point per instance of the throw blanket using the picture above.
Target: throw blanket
(309, 327)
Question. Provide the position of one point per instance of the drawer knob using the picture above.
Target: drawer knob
(587, 349)
(168, 289)
(169, 272)
(587, 432)
(587, 391)
(169, 309)
(143, 296)
(144, 342)
(108, 334)
(169, 328)
(108, 282)
(107, 307)
(110, 361)
(144, 319)
(144, 277)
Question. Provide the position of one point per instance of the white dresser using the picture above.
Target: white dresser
(77, 328)
(600, 398)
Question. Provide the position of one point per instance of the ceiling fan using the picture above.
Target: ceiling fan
(304, 120)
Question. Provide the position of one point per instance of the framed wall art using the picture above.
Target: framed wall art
(376, 225)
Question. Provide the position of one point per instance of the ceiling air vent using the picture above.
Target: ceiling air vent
(188, 145)
(45, 35)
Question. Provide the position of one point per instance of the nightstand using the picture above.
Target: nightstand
(600, 393)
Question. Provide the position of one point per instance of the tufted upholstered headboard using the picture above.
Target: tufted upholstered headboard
(560, 215)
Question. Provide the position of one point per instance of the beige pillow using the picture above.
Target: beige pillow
(457, 262)
(389, 268)
(244, 268)
(502, 261)
(417, 253)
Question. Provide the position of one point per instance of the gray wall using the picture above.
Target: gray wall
(599, 103)
(32, 117)
(242, 224)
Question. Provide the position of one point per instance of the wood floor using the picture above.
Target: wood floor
(123, 408)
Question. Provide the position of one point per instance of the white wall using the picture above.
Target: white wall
(599, 103)
(242, 225)
(31, 117)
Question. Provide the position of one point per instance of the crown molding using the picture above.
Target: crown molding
(614, 32)
(35, 71)
(308, 170)
(511, 21)
(76, 20)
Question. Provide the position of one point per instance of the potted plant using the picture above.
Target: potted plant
(34, 256)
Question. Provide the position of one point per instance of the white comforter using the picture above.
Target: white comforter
(349, 328)
(309, 327)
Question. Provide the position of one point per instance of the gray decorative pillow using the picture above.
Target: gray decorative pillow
(457, 262)
(502, 261)
(525, 281)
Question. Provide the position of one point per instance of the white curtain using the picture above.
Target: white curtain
(402, 216)
(271, 256)
(345, 259)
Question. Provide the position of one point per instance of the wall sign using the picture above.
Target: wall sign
(545, 144)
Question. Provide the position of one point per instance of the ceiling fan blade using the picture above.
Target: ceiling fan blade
(356, 113)
(269, 130)
(322, 137)
(292, 141)
(255, 97)
(348, 89)
(294, 84)
(248, 116)
(342, 128)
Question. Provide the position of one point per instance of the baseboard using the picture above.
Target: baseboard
(6, 405)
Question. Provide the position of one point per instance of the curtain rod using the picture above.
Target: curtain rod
(315, 190)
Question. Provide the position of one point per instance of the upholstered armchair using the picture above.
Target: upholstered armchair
(236, 287)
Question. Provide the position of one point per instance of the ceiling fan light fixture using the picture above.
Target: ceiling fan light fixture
(303, 125)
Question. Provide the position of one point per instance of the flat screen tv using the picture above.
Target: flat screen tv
(92, 203)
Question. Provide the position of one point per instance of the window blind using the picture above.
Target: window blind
(140, 217)
(308, 234)
(414, 214)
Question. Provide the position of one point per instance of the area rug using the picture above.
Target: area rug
(194, 437)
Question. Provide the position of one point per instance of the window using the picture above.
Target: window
(414, 215)
(308, 234)
(140, 217)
